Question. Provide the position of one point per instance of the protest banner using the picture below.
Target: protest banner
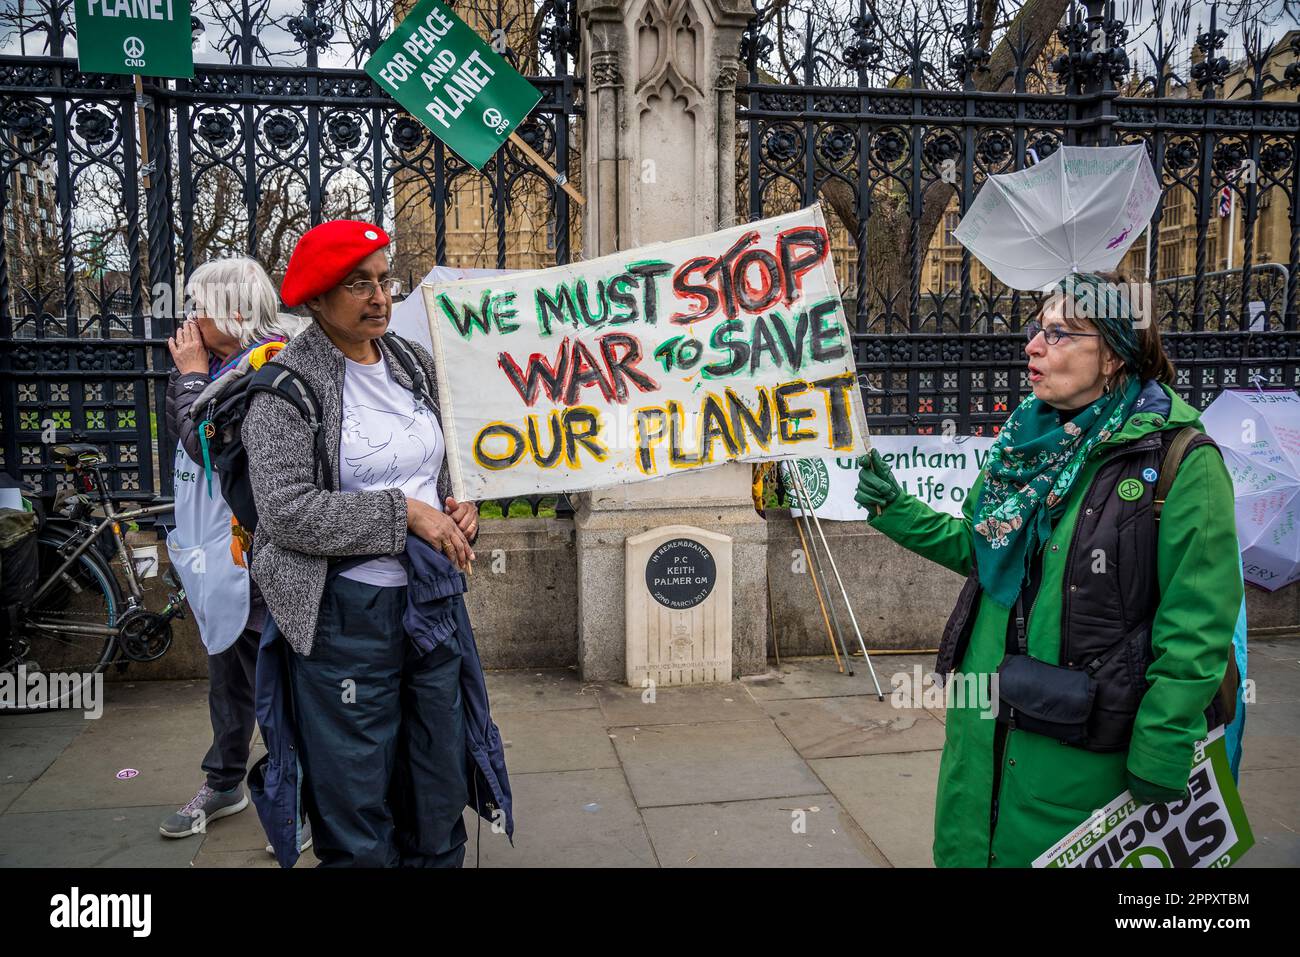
(1208, 828)
(150, 37)
(936, 469)
(408, 318)
(449, 79)
(135, 37)
(678, 356)
(458, 86)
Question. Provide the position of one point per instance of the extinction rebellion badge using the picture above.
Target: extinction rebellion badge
(1130, 490)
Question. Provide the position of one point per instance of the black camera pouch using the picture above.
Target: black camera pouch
(1045, 699)
(1042, 698)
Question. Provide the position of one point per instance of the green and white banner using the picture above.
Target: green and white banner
(452, 81)
(1208, 828)
(937, 470)
(148, 37)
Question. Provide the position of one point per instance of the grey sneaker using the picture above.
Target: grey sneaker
(207, 806)
(306, 839)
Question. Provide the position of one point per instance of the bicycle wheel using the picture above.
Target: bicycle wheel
(87, 593)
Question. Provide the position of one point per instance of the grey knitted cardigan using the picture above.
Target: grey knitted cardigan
(300, 525)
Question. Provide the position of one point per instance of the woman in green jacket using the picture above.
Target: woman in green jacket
(1065, 561)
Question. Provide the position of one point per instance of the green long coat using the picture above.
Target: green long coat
(1048, 788)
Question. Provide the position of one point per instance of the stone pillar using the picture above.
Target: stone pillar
(660, 143)
(659, 154)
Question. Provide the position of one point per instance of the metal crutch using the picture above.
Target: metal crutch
(844, 592)
(821, 602)
(804, 509)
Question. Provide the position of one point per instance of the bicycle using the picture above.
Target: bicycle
(78, 621)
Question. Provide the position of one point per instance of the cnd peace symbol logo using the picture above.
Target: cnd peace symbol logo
(493, 119)
(816, 480)
(133, 47)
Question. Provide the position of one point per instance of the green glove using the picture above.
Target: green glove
(1144, 792)
(877, 486)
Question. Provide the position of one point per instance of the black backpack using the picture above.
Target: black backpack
(223, 444)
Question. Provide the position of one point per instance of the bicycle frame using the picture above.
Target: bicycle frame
(113, 519)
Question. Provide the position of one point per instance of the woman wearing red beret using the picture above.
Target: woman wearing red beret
(378, 715)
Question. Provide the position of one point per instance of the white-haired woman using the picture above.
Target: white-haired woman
(232, 309)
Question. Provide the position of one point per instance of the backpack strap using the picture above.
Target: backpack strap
(284, 382)
(1184, 441)
(290, 386)
(1223, 708)
(410, 363)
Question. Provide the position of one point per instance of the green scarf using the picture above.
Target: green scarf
(1030, 468)
(1037, 457)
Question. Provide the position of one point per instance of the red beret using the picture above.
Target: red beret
(325, 255)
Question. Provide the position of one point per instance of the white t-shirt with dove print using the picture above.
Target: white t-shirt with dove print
(390, 439)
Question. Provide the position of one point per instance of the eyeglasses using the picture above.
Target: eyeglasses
(1055, 334)
(365, 288)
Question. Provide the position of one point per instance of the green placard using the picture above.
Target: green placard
(149, 37)
(449, 79)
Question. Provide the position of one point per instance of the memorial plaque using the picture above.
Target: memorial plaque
(678, 607)
(681, 573)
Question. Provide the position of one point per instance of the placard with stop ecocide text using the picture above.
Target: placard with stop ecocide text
(1208, 828)
(651, 362)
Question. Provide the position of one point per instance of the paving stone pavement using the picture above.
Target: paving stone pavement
(800, 767)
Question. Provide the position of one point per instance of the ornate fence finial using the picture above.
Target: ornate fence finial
(1094, 48)
(561, 39)
(1069, 66)
(863, 50)
(1293, 69)
(972, 58)
(1114, 58)
(312, 31)
(1213, 70)
(755, 46)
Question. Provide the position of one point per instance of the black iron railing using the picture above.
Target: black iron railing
(279, 129)
(894, 127)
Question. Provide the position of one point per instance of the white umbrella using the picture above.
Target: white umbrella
(1079, 210)
(1259, 433)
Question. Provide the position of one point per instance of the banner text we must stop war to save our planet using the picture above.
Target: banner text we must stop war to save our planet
(725, 347)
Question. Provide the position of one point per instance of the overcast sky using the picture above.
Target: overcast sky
(1181, 19)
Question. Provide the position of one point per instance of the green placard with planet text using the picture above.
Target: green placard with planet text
(452, 81)
(147, 37)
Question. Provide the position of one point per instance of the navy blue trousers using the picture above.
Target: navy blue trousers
(381, 736)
